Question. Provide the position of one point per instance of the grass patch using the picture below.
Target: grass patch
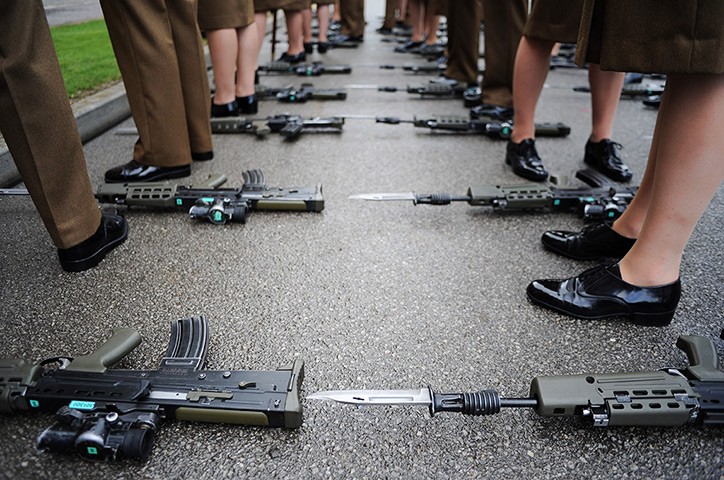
(85, 55)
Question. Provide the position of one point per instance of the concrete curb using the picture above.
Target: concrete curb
(93, 115)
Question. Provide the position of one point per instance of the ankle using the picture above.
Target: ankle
(647, 274)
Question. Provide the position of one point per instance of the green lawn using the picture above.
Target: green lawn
(85, 55)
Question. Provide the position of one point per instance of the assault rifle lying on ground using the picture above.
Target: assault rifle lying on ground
(633, 90)
(112, 414)
(668, 397)
(299, 95)
(435, 90)
(305, 70)
(288, 126)
(591, 204)
(484, 126)
(217, 205)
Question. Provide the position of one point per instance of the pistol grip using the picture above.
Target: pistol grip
(703, 360)
(118, 346)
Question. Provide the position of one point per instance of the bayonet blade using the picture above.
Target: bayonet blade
(376, 397)
(381, 197)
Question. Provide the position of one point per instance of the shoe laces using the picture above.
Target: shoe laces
(609, 149)
(598, 271)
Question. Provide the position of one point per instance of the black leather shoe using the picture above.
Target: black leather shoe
(299, 57)
(87, 254)
(135, 172)
(230, 109)
(603, 157)
(591, 243)
(524, 159)
(407, 46)
(600, 293)
(494, 112)
(248, 104)
(308, 47)
(322, 47)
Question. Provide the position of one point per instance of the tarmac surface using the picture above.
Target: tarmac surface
(369, 295)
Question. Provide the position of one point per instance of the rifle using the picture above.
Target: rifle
(596, 203)
(217, 205)
(299, 95)
(424, 67)
(305, 70)
(633, 90)
(112, 414)
(288, 126)
(488, 127)
(668, 397)
(436, 90)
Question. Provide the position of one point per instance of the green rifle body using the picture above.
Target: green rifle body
(661, 398)
(306, 70)
(288, 126)
(495, 129)
(300, 95)
(110, 414)
(254, 195)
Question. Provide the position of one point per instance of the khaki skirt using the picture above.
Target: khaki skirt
(554, 20)
(323, 2)
(264, 5)
(650, 36)
(218, 14)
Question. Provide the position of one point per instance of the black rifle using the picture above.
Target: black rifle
(435, 90)
(217, 205)
(666, 398)
(489, 127)
(632, 90)
(288, 126)
(299, 95)
(112, 414)
(305, 70)
(592, 204)
(425, 67)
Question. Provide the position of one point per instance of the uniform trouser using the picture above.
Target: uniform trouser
(39, 127)
(390, 8)
(504, 22)
(159, 52)
(353, 17)
(463, 25)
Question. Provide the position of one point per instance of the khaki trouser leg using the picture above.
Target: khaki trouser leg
(142, 40)
(39, 127)
(463, 23)
(192, 67)
(353, 17)
(503, 28)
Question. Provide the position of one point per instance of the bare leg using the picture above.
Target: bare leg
(294, 31)
(307, 25)
(687, 166)
(417, 18)
(605, 94)
(531, 69)
(246, 63)
(223, 50)
(336, 15)
(432, 22)
(323, 20)
(402, 13)
(260, 20)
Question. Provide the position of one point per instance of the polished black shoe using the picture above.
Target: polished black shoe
(308, 47)
(384, 31)
(299, 57)
(342, 38)
(494, 112)
(230, 109)
(591, 243)
(135, 172)
(322, 47)
(248, 104)
(603, 157)
(600, 293)
(87, 254)
(407, 46)
(524, 159)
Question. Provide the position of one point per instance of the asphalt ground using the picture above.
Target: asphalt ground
(369, 295)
